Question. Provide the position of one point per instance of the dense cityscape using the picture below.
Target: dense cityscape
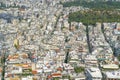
(59, 40)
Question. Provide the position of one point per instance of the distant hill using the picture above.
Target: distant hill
(95, 4)
(91, 17)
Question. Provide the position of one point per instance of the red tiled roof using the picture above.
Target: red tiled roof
(34, 72)
(56, 75)
(50, 76)
(59, 69)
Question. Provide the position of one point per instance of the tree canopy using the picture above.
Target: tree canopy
(93, 16)
(99, 11)
(96, 4)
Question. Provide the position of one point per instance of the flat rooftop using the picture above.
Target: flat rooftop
(113, 74)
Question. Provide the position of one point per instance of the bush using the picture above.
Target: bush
(79, 69)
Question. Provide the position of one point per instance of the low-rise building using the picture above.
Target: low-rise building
(112, 75)
(93, 74)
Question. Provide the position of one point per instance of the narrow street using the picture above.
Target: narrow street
(88, 40)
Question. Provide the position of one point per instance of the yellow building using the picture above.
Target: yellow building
(16, 43)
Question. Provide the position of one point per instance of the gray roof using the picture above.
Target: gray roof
(1, 37)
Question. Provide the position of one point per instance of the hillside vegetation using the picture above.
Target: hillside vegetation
(97, 4)
(99, 11)
(93, 16)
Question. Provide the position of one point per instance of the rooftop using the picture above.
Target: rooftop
(95, 72)
(113, 74)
